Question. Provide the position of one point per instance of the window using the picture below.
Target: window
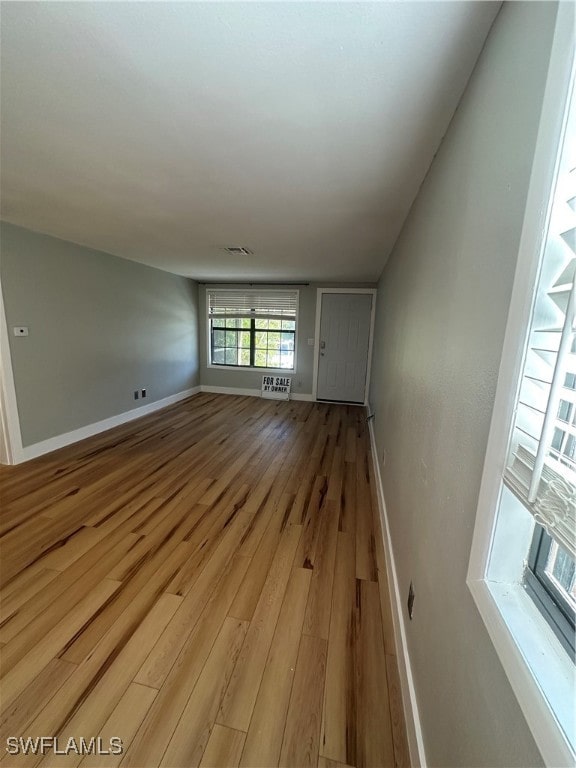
(252, 328)
(522, 562)
(541, 466)
(550, 580)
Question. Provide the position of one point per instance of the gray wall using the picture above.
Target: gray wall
(100, 327)
(442, 308)
(302, 378)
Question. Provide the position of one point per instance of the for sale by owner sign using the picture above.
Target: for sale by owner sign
(276, 387)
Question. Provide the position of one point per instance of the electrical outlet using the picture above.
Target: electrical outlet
(143, 393)
(410, 601)
(136, 394)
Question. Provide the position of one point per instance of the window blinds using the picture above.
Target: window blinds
(253, 303)
(541, 468)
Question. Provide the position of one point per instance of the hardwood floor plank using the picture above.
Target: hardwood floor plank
(300, 746)
(124, 721)
(36, 695)
(53, 716)
(190, 637)
(156, 731)
(347, 522)
(336, 475)
(386, 612)
(374, 744)
(131, 602)
(18, 583)
(213, 493)
(191, 735)
(52, 603)
(223, 749)
(264, 739)
(339, 710)
(350, 455)
(317, 621)
(302, 485)
(266, 484)
(217, 524)
(329, 450)
(109, 688)
(207, 583)
(399, 736)
(240, 696)
(150, 516)
(385, 595)
(74, 548)
(248, 595)
(306, 554)
(34, 540)
(365, 537)
(15, 514)
(32, 664)
(259, 523)
(12, 602)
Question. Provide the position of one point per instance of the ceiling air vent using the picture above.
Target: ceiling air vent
(238, 250)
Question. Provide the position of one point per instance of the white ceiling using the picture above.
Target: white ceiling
(163, 132)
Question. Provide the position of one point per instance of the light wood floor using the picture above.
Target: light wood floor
(207, 584)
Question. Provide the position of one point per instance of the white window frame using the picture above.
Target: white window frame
(253, 368)
(528, 650)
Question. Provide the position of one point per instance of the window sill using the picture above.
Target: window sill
(538, 668)
(250, 369)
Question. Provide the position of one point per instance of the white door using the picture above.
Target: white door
(344, 343)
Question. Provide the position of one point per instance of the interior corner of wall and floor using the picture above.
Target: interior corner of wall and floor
(100, 326)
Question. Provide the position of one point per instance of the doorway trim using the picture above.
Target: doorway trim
(319, 294)
(10, 436)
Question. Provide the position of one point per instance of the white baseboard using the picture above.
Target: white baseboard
(60, 441)
(248, 392)
(410, 704)
(304, 398)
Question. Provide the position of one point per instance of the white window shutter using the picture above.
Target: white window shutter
(253, 303)
(541, 468)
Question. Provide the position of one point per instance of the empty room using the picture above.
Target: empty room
(287, 384)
